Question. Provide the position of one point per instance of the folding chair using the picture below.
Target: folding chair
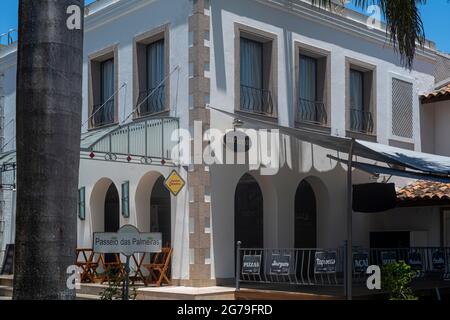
(159, 267)
(112, 269)
(138, 275)
(84, 260)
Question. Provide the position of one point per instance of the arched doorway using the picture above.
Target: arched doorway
(112, 215)
(305, 216)
(112, 210)
(104, 206)
(249, 213)
(160, 211)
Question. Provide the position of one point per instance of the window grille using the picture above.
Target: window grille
(402, 108)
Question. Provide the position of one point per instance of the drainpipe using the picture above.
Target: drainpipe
(12, 233)
(349, 249)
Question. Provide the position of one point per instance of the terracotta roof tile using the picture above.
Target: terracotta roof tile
(442, 92)
(424, 190)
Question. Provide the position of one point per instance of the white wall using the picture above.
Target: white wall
(435, 129)
(328, 178)
(441, 128)
(289, 28)
(8, 65)
(96, 177)
(118, 24)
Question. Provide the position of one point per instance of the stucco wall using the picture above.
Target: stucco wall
(118, 25)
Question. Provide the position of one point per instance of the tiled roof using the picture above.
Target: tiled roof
(424, 190)
(442, 92)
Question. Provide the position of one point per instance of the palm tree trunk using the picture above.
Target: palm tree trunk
(49, 98)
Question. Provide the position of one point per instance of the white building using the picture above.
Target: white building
(279, 61)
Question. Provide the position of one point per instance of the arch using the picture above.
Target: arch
(112, 209)
(305, 216)
(310, 213)
(153, 206)
(104, 199)
(249, 213)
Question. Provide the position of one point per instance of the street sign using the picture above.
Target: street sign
(128, 240)
(174, 183)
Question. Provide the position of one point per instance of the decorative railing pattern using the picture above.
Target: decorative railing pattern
(326, 267)
(312, 112)
(143, 140)
(151, 101)
(9, 37)
(103, 114)
(361, 120)
(256, 100)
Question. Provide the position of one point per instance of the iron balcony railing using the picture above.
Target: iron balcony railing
(9, 37)
(427, 261)
(256, 100)
(326, 267)
(291, 266)
(312, 112)
(144, 139)
(361, 120)
(151, 101)
(104, 116)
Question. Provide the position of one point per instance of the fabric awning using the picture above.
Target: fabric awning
(421, 165)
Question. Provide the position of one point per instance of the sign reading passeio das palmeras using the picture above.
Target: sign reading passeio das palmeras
(128, 240)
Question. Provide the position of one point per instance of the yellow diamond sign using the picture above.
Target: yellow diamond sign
(174, 183)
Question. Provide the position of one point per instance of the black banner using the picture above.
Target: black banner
(388, 257)
(438, 259)
(415, 260)
(280, 264)
(325, 262)
(360, 262)
(251, 264)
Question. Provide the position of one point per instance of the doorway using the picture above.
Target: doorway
(305, 216)
(160, 211)
(249, 213)
(112, 215)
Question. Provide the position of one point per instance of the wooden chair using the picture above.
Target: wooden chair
(111, 269)
(85, 261)
(138, 275)
(159, 267)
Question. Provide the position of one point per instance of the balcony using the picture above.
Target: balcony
(151, 101)
(256, 100)
(311, 112)
(9, 37)
(361, 121)
(142, 141)
(103, 114)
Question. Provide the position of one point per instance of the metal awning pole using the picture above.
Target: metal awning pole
(349, 257)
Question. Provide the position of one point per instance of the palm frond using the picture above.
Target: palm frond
(404, 24)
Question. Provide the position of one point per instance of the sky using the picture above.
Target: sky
(435, 15)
